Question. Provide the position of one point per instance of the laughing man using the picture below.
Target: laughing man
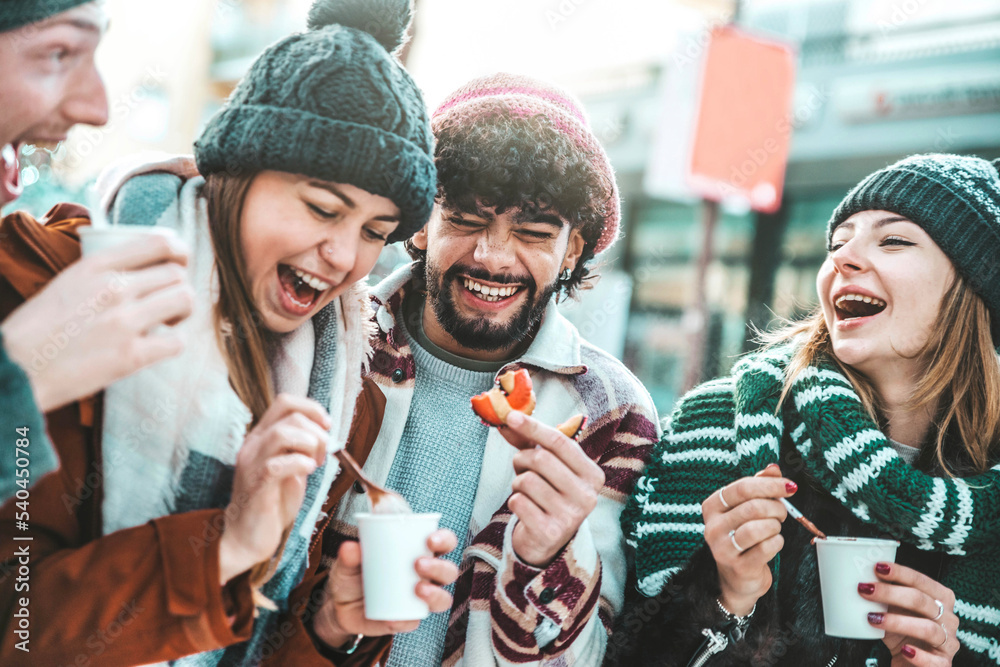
(526, 200)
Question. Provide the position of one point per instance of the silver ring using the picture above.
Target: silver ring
(945, 636)
(940, 610)
(723, 499)
(732, 538)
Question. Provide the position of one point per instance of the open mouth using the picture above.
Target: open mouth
(302, 290)
(491, 293)
(857, 306)
(10, 173)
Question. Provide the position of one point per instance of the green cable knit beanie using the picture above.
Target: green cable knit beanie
(333, 103)
(956, 200)
(17, 13)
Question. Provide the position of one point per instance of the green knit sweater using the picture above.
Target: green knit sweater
(731, 428)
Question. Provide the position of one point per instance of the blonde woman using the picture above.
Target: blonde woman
(879, 416)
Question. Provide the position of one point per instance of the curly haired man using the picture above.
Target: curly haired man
(526, 201)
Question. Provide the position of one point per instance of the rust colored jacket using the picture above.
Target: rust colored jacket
(139, 595)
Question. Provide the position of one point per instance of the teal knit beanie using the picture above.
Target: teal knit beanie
(17, 13)
(334, 104)
(956, 200)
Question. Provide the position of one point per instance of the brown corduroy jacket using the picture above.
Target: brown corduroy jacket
(140, 595)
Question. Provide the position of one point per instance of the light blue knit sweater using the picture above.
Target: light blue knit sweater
(437, 469)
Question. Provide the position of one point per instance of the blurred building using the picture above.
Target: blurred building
(876, 81)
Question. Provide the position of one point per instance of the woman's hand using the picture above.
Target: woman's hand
(746, 535)
(93, 324)
(277, 457)
(342, 615)
(917, 630)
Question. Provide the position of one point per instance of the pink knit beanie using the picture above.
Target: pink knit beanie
(522, 96)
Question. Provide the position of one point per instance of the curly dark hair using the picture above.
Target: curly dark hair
(504, 161)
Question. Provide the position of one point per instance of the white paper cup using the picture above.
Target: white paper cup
(845, 562)
(390, 547)
(94, 239)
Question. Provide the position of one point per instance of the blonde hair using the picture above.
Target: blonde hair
(962, 374)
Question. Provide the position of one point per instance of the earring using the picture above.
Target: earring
(565, 276)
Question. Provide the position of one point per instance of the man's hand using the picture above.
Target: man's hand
(93, 324)
(556, 488)
(342, 615)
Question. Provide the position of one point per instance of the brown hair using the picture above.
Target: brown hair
(962, 374)
(237, 322)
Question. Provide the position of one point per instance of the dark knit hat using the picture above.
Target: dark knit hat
(956, 200)
(17, 13)
(333, 104)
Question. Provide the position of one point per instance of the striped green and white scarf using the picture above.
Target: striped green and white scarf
(731, 428)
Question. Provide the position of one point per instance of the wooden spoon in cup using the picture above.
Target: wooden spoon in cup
(380, 499)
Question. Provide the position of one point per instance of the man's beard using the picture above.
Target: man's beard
(481, 333)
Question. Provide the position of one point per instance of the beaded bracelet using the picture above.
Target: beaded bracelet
(740, 620)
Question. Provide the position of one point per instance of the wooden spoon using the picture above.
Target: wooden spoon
(381, 500)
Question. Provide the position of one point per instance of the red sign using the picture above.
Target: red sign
(744, 120)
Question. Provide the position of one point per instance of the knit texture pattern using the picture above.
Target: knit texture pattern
(956, 200)
(17, 13)
(333, 104)
(437, 469)
(731, 428)
(523, 97)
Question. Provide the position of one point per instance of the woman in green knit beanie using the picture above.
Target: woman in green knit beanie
(213, 468)
(879, 416)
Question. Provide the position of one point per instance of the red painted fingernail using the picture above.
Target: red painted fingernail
(875, 618)
(909, 652)
(791, 487)
(866, 589)
(882, 568)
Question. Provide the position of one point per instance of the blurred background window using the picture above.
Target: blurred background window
(875, 80)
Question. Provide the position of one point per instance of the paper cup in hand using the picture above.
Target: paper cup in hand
(95, 239)
(845, 562)
(390, 547)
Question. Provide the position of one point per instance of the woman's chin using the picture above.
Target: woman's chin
(854, 353)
